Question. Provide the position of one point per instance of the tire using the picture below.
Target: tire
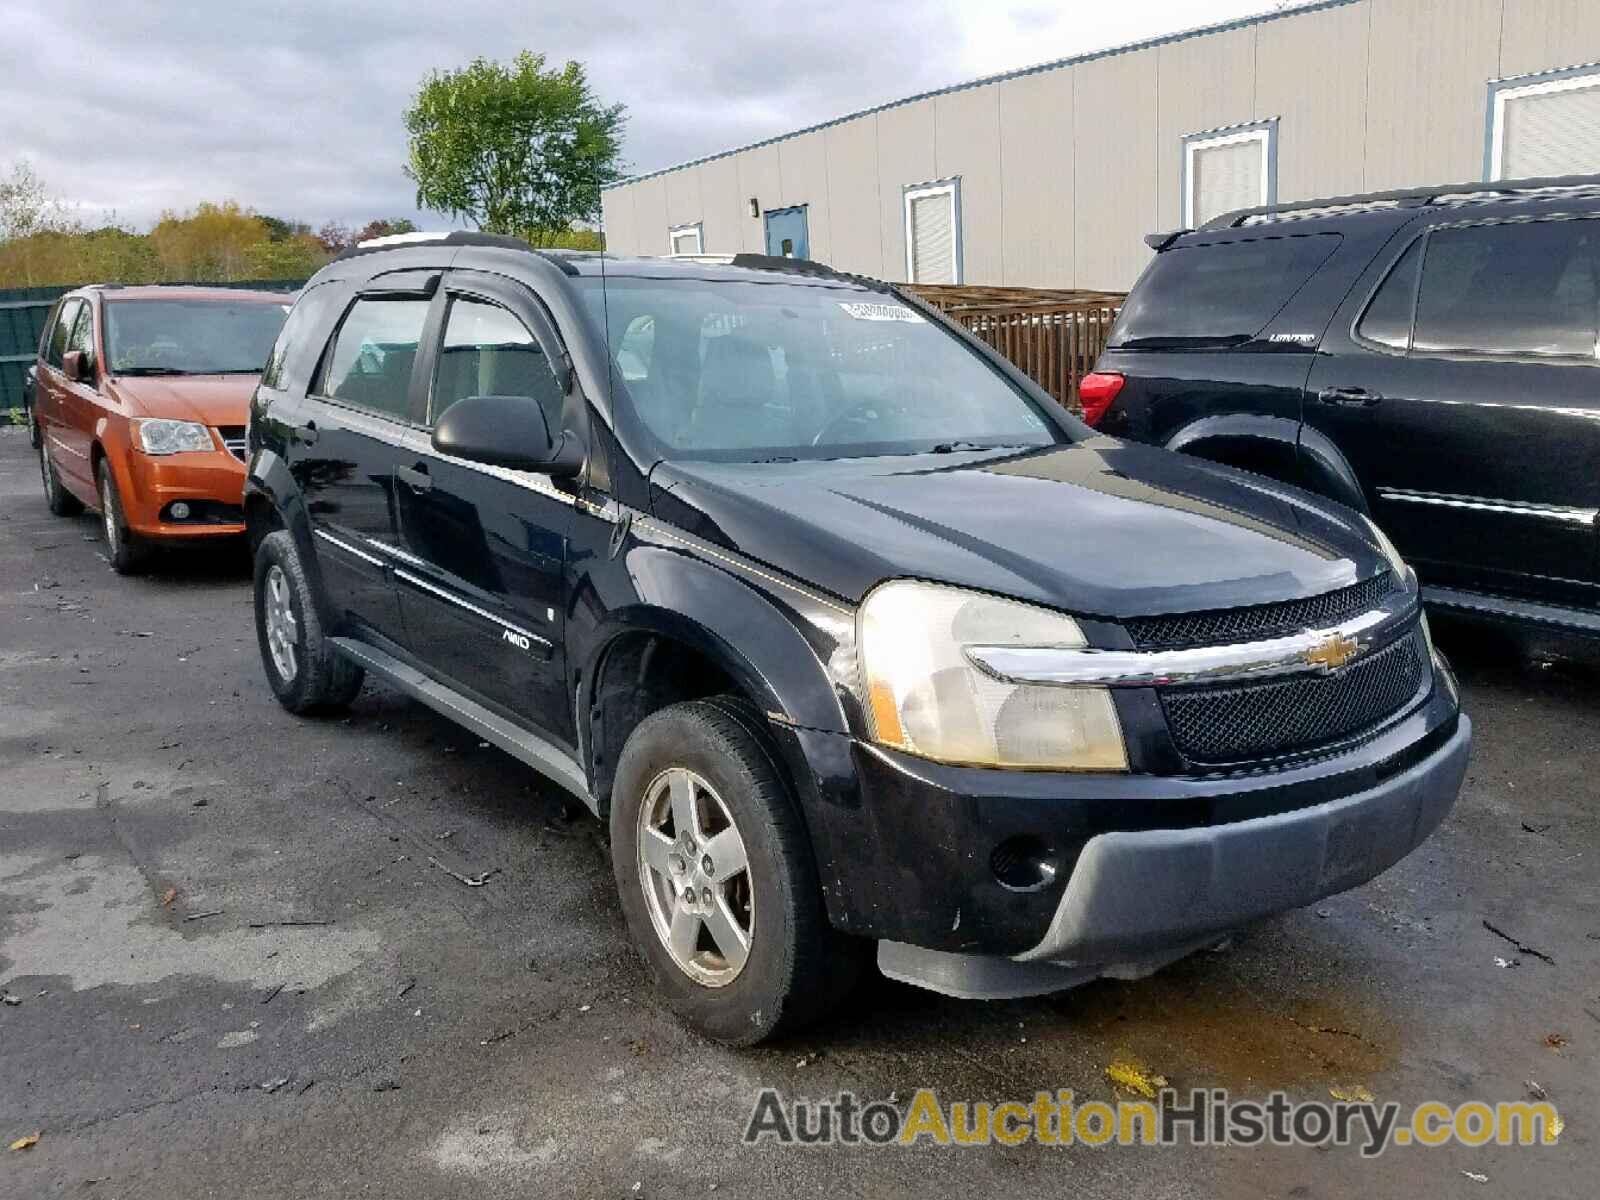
(35, 435)
(795, 967)
(124, 551)
(57, 499)
(306, 673)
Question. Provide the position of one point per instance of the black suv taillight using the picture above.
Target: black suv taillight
(1096, 391)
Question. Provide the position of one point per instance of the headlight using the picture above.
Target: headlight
(158, 436)
(1402, 571)
(923, 695)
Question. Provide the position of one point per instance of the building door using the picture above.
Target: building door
(786, 233)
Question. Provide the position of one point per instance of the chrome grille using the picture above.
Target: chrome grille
(233, 437)
(1220, 627)
(1297, 713)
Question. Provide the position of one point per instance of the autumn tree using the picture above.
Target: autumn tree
(384, 227)
(513, 149)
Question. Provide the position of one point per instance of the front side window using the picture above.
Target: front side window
(1518, 288)
(1227, 170)
(1545, 126)
(373, 353)
(933, 233)
(489, 352)
(81, 338)
(190, 337)
(65, 316)
(741, 371)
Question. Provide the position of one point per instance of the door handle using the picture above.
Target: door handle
(306, 434)
(1349, 397)
(416, 478)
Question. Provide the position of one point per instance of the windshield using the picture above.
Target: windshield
(191, 337)
(742, 371)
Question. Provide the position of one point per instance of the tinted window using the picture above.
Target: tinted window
(292, 360)
(1388, 318)
(81, 338)
(735, 370)
(488, 352)
(190, 337)
(65, 316)
(372, 356)
(1219, 291)
(1518, 288)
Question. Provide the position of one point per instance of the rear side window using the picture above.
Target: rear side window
(373, 352)
(1387, 320)
(65, 316)
(1218, 293)
(1530, 287)
(288, 365)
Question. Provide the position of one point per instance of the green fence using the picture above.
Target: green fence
(23, 312)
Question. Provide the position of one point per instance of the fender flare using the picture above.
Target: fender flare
(1312, 449)
(732, 623)
(268, 485)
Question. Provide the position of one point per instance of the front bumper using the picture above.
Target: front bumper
(211, 481)
(1139, 900)
(1147, 866)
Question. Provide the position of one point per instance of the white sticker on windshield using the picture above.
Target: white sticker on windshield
(864, 311)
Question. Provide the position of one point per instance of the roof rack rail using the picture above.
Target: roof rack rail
(1401, 198)
(443, 237)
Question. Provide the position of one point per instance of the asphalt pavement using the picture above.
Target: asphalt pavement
(247, 959)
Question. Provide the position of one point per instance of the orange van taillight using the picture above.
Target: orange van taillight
(1096, 391)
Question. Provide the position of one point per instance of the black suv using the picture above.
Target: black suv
(851, 634)
(1426, 357)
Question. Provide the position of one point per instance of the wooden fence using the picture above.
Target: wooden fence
(1052, 336)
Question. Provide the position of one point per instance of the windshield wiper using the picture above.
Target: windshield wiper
(952, 447)
(148, 371)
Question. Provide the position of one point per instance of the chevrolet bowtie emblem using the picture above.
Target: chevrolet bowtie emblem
(1333, 652)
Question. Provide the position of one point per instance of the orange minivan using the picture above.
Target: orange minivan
(141, 398)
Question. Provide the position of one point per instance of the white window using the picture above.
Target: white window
(933, 232)
(1228, 169)
(1545, 126)
(686, 239)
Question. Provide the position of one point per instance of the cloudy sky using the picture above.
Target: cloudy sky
(294, 108)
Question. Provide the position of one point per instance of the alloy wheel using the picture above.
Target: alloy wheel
(47, 472)
(108, 513)
(283, 631)
(696, 877)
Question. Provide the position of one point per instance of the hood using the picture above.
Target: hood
(209, 399)
(1100, 528)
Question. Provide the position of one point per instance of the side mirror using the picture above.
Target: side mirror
(77, 366)
(507, 431)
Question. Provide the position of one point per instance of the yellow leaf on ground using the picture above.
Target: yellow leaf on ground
(1356, 1093)
(1135, 1077)
(23, 1143)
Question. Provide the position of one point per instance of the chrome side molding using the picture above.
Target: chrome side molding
(1517, 508)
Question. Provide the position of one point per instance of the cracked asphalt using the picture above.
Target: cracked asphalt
(245, 965)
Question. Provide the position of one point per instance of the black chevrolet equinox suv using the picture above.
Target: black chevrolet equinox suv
(854, 637)
(1427, 357)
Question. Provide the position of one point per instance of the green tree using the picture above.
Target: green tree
(514, 149)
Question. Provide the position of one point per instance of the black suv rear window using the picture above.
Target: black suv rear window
(1218, 293)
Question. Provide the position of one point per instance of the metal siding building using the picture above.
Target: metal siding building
(1051, 176)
